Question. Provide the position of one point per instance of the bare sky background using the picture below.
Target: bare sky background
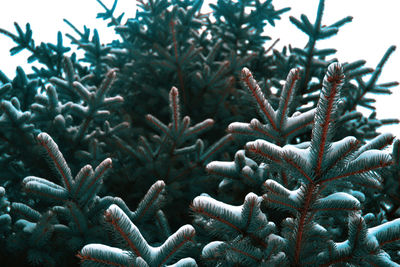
(374, 28)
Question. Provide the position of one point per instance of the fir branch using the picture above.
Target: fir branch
(287, 96)
(326, 115)
(370, 85)
(56, 160)
(281, 124)
(266, 110)
(150, 203)
(104, 255)
(133, 240)
(362, 246)
(178, 65)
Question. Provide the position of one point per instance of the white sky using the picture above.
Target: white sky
(374, 28)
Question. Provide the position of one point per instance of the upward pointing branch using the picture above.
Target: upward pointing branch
(56, 159)
(174, 105)
(287, 96)
(266, 111)
(326, 115)
(180, 77)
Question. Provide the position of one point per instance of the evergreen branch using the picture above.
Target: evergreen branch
(212, 251)
(247, 252)
(222, 169)
(341, 22)
(150, 203)
(367, 161)
(180, 240)
(299, 164)
(227, 216)
(242, 168)
(109, 14)
(386, 233)
(146, 148)
(14, 119)
(362, 246)
(43, 230)
(93, 183)
(396, 152)
(218, 73)
(215, 147)
(318, 19)
(252, 216)
(326, 115)
(9, 34)
(80, 89)
(267, 112)
(26, 211)
(356, 69)
(99, 173)
(41, 181)
(75, 29)
(77, 217)
(265, 130)
(174, 102)
(337, 202)
(281, 198)
(45, 191)
(264, 150)
(178, 65)
(298, 124)
(126, 148)
(370, 85)
(105, 85)
(287, 96)
(379, 143)
(301, 230)
(254, 130)
(158, 125)
(379, 67)
(81, 179)
(275, 202)
(230, 221)
(340, 151)
(162, 223)
(126, 231)
(130, 235)
(98, 254)
(280, 125)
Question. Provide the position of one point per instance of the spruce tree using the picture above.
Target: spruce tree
(190, 140)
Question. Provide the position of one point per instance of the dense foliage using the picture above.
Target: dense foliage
(230, 152)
